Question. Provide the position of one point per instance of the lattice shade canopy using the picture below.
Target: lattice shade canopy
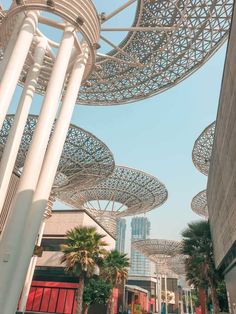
(160, 252)
(167, 42)
(108, 220)
(174, 39)
(177, 264)
(199, 204)
(126, 192)
(85, 159)
(202, 149)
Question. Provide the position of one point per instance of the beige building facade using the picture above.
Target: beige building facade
(55, 231)
(221, 192)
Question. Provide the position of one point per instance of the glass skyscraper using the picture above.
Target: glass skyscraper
(121, 229)
(140, 230)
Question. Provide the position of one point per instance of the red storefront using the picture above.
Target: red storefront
(56, 297)
(52, 297)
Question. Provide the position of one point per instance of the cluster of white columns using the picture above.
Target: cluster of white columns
(159, 292)
(26, 213)
(188, 300)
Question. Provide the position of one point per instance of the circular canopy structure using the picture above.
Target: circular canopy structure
(126, 192)
(161, 252)
(82, 15)
(85, 159)
(167, 41)
(202, 149)
(199, 204)
(158, 249)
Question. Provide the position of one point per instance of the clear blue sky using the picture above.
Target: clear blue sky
(157, 135)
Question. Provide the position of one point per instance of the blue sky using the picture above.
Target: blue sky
(157, 135)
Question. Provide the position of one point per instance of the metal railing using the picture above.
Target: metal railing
(55, 300)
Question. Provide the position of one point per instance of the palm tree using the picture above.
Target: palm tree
(200, 267)
(83, 253)
(114, 271)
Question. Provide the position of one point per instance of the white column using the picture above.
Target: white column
(14, 138)
(16, 62)
(191, 301)
(11, 43)
(161, 292)
(30, 273)
(166, 294)
(159, 279)
(157, 293)
(186, 301)
(45, 182)
(11, 242)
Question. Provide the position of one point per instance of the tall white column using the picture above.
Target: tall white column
(14, 138)
(191, 301)
(30, 273)
(11, 242)
(159, 279)
(166, 295)
(161, 292)
(45, 182)
(33, 262)
(15, 64)
(11, 43)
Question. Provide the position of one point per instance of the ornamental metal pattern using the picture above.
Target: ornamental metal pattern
(85, 160)
(48, 211)
(167, 42)
(175, 38)
(126, 192)
(177, 264)
(202, 149)
(199, 204)
(108, 220)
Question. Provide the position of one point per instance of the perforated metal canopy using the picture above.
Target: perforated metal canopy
(107, 219)
(85, 159)
(199, 204)
(158, 249)
(170, 40)
(161, 252)
(177, 264)
(167, 41)
(126, 192)
(202, 149)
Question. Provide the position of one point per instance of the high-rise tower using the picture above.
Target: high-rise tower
(121, 229)
(140, 229)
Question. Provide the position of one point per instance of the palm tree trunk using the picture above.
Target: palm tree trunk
(215, 301)
(110, 304)
(86, 308)
(79, 305)
(202, 298)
